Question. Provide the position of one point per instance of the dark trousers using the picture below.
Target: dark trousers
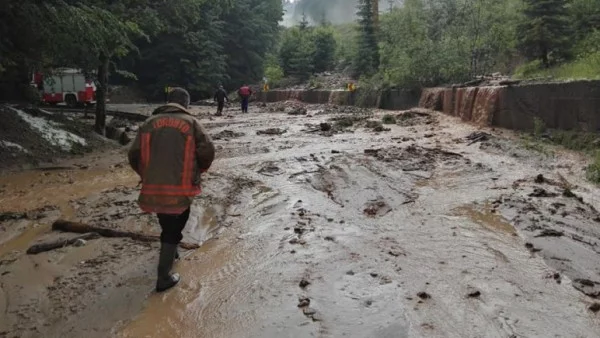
(220, 105)
(172, 226)
(244, 104)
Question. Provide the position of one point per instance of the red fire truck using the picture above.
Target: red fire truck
(66, 85)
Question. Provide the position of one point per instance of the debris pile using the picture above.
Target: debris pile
(227, 134)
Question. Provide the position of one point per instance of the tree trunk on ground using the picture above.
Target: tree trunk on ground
(101, 90)
(81, 228)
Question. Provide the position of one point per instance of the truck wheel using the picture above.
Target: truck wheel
(71, 100)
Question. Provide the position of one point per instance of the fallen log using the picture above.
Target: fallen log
(43, 247)
(81, 228)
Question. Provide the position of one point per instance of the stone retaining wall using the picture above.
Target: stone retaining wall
(569, 106)
(395, 99)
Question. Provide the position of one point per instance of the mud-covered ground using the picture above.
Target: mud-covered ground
(317, 221)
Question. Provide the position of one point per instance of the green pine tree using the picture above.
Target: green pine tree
(304, 23)
(544, 33)
(367, 60)
(324, 47)
(296, 53)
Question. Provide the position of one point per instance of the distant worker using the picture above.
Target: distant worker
(220, 98)
(244, 94)
(169, 153)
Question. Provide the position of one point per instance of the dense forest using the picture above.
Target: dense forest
(192, 43)
(198, 44)
(431, 42)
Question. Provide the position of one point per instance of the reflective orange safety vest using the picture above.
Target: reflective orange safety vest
(177, 180)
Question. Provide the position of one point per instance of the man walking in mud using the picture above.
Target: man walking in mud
(220, 98)
(244, 94)
(169, 153)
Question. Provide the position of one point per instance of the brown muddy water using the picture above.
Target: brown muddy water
(346, 232)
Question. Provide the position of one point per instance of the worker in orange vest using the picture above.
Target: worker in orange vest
(169, 153)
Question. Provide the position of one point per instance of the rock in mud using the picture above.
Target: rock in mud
(423, 295)
(539, 179)
(227, 134)
(271, 131)
(381, 128)
(303, 283)
(477, 136)
(303, 302)
(540, 192)
(296, 111)
(270, 170)
(588, 287)
(308, 311)
(594, 307)
(9, 216)
(473, 293)
(396, 253)
(550, 233)
(570, 194)
(377, 208)
(80, 242)
(325, 126)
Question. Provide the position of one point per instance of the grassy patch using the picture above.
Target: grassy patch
(580, 141)
(373, 124)
(537, 145)
(388, 119)
(593, 170)
(344, 123)
(587, 67)
(539, 127)
(586, 142)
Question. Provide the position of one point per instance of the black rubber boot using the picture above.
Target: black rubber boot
(166, 279)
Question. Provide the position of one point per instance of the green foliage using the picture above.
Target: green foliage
(585, 64)
(324, 49)
(368, 92)
(346, 36)
(544, 33)
(427, 43)
(388, 119)
(593, 169)
(367, 56)
(296, 53)
(585, 16)
(191, 43)
(273, 72)
(539, 127)
(306, 50)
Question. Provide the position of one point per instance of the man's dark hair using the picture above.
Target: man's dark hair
(180, 96)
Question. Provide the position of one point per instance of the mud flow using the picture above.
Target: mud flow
(317, 221)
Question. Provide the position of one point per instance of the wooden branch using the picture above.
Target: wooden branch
(82, 228)
(43, 247)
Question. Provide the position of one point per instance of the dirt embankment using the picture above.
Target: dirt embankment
(34, 137)
(318, 220)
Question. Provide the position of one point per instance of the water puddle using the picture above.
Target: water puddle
(197, 306)
(23, 241)
(485, 217)
(32, 190)
(35, 189)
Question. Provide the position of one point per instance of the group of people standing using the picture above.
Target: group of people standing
(221, 97)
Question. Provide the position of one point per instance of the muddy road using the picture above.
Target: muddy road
(318, 222)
